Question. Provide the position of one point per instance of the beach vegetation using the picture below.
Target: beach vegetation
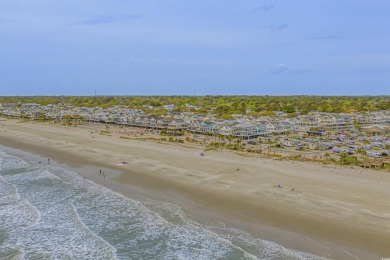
(180, 133)
(294, 156)
(346, 159)
(214, 146)
(165, 133)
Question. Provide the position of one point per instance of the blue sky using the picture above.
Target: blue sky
(167, 47)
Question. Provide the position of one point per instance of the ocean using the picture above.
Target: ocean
(50, 212)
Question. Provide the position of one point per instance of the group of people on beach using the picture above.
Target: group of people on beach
(48, 161)
(280, 186)
(101, 172)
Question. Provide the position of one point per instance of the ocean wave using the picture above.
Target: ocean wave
(8, 192)
(50, 212)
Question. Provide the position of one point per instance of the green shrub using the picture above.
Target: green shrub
(346, 159)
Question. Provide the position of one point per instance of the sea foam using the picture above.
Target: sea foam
(49, 212)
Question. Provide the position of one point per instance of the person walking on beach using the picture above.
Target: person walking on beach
(100, 171)
(48, 161)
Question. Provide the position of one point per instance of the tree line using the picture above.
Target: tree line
(223, 106)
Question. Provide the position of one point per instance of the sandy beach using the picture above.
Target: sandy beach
(335, 212)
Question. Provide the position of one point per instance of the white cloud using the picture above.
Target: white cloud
(280, 68)
(261, 8)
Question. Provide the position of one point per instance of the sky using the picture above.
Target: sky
(201, 47)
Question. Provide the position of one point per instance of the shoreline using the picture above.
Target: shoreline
(313, 212)
(194, 207)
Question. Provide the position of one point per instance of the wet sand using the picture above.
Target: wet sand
(333, 212)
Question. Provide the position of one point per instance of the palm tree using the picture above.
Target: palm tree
(67, 120)
(260, 144)
(230, 138)
(269, 145)
(362, 152)
(217, 135)
(222, 138)
(239, 141)
(357, 125)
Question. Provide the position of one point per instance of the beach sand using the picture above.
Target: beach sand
(333, 212)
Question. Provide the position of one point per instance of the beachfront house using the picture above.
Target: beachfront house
(193, 126)
(376, 118)
(283, 127)
(177, 125)
(261, 130)
(122, 120)
(306, 122)
(162, 124)
(149, 121)
(102, 117)
(376, 129)
(153, 121)
(130, 120)
(266, 127)
(226, 127)
(325, 120)
(245, 130)
(8, 105)
(207, 127)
